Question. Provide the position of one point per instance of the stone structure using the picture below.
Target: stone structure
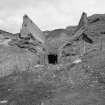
(49, 50)
(31, 47)
(76, 45)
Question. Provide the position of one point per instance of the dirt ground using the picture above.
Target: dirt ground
(74, 84)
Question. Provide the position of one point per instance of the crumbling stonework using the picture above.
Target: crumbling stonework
(43, 50)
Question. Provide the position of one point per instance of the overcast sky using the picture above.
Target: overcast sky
(47, 14)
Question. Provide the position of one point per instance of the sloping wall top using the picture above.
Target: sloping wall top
(29, 27)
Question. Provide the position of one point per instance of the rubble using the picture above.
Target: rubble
(42, 69)
(32, 39)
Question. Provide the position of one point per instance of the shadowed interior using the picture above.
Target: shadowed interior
(53, 58)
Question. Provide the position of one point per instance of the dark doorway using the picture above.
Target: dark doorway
(52, 58)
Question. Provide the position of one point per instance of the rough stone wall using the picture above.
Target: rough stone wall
(13, 59)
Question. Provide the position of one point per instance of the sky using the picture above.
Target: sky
(47, 14)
